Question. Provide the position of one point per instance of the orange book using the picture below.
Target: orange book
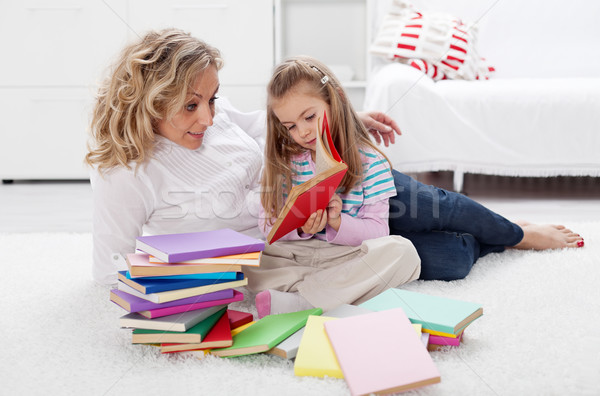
(306, 198)
(251, 259)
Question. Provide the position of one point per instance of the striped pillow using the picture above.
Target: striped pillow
(440, 45)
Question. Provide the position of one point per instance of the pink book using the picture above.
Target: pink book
(159, 312)
(379, 353)
(172, 248)
(441, 340)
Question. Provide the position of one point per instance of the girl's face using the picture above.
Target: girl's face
(187, 127)
(299, 112)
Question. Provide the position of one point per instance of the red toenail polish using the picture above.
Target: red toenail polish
(579, 243)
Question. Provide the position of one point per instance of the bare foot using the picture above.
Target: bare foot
(547, 236)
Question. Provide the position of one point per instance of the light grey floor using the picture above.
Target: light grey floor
(37, 206)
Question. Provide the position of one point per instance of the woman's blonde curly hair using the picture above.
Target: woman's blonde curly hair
(150, 81)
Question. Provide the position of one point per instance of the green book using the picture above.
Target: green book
(194, 335)
(435, 313)
(266, 333)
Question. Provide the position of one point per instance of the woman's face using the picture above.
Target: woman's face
(299, 112)
(187, 127)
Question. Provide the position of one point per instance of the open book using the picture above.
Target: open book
(306, 198)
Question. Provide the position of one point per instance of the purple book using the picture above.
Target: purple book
(173, 248)
(160, 312)
(135, 304)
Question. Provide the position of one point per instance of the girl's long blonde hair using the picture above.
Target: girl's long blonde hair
(150, 81)
(347, 130)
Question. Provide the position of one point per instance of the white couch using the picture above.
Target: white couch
(539, 115)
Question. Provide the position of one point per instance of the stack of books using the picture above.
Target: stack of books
(178, 287)
(443, 319)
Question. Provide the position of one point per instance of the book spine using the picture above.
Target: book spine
(160, 312)
(228, 251)
(194, 291)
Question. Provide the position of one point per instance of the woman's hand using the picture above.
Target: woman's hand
(381, 126)
(315, 223)
(334, 211)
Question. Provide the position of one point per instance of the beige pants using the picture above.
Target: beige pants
(328, 275)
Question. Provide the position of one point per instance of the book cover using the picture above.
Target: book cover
(160, 312)
(208, 275)
(315, 356)
(445, 341)
(434, 313)
(179, 322)
(239, 318)
(173, 295)
(139, 265)
(131, 303)
(219, 336)
(148, 286)
(379, 353)
(306, 198)
(251, 259)
(267, 332)
(172, 248)
(194, 334)
(243, 327)
(288, 348)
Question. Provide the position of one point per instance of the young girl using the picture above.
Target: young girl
(343, 254)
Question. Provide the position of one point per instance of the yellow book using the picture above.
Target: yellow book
(418, 328)
(440, 333)
(241, 328)
(315, 356)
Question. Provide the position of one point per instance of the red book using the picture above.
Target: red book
(306, 198)
(238, 318)
(218, 337)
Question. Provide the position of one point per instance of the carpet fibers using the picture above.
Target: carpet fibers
(538, 336)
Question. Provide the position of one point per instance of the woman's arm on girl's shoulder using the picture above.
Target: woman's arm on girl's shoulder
(380, 126)
(120, 209)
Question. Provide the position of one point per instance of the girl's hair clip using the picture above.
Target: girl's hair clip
(324, 79)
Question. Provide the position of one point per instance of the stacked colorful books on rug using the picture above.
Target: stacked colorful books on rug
(178, 288)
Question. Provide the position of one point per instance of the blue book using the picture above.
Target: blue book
(148, 286)
(434, 313)
(231, 275)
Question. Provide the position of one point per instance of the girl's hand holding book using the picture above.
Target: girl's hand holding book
(334, 211)
(315, 223)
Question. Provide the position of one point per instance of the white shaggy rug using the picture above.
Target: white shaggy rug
(540, 333)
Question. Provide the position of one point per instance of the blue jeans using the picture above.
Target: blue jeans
(449, 230)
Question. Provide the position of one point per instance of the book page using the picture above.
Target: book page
(323, 158)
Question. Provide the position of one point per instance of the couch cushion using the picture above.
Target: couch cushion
(430, 41)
